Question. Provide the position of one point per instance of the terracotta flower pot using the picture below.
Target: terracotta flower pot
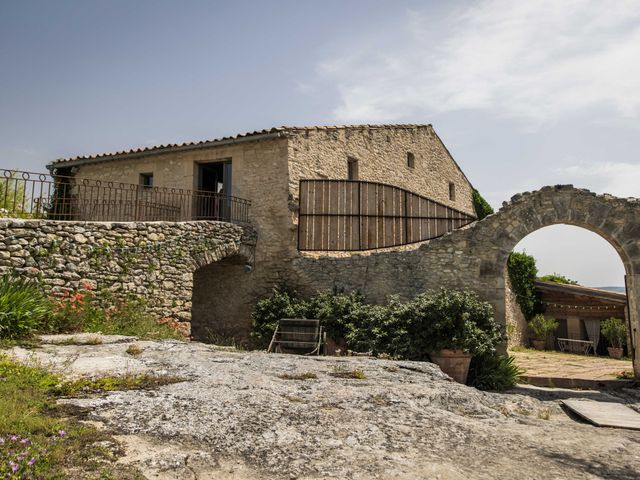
(615, 352)
(454, 363)
(539, 344)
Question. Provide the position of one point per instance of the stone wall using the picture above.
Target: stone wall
(516, 323)
(381, 153)
(475, 256)
(153, 260)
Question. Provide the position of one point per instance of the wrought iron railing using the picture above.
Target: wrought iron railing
(59, 197)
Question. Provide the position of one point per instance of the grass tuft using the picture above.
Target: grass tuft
(298, 376)
(340, 371)
(134, 349)
(88, 386)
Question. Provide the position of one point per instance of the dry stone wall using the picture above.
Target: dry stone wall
(152, 260)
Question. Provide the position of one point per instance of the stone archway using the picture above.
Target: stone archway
(220, 294)
(616, 220)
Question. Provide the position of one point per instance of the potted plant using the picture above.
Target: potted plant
(452, 326)
(614, 330)
(542, 327)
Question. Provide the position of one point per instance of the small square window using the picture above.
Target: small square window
(411, 160)
(352, 169)
(452, 191)
(146, 180)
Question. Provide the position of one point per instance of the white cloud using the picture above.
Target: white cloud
(534, 60)
(620, 179)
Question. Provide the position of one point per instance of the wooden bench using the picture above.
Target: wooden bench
(302, 336)
(573, 345)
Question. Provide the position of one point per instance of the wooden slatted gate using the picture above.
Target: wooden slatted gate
(348, 215)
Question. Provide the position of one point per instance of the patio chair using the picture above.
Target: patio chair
(302, 336)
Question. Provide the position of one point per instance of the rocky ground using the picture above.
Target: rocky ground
(249, 415)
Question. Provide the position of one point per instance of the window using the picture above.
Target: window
(352, 169)
(411, 160)
(146, 180)
(452, 191)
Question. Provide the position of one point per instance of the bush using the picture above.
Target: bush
(615, 331)
(380, 329)
(542, 326)
(451, 319)
(480, 205)
(24, 308)
(402, 330)
(557, 278)
(283, 303)
(522, 273)
(493, 372)
(337, 310)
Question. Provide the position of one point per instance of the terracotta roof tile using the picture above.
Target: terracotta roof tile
(229, 139)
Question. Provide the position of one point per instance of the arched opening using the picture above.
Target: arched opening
(579, 286)
(221, 301)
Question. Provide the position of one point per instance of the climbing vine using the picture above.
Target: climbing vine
(523, 273)
(480, 205)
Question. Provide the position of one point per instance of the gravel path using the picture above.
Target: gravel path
(568, 365)
(236, 417)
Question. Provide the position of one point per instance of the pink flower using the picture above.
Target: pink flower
(31, 462)
(62, 433)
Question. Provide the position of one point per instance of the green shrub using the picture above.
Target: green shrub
(337, 310)
(493, 372)
(542, 326)
(523, 273)
(557, 278)
(480, 205)
(403, 330)
(451, 319)
(380, 329)
(24, 307)
(14, 200)
(283, 303)
(615, 331)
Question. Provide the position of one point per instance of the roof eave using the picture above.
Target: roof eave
(163, 150)
(580, 290)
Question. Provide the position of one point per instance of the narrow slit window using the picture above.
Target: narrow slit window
(352, 169)
(452, 191)
(411, 160)
(146, 180)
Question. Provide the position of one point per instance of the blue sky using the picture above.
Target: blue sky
(524, 94)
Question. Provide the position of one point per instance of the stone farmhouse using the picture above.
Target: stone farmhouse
(206, 229)
(269, 168)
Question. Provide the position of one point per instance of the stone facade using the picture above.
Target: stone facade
(153, 260)
(266, 169)
(381, 154)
